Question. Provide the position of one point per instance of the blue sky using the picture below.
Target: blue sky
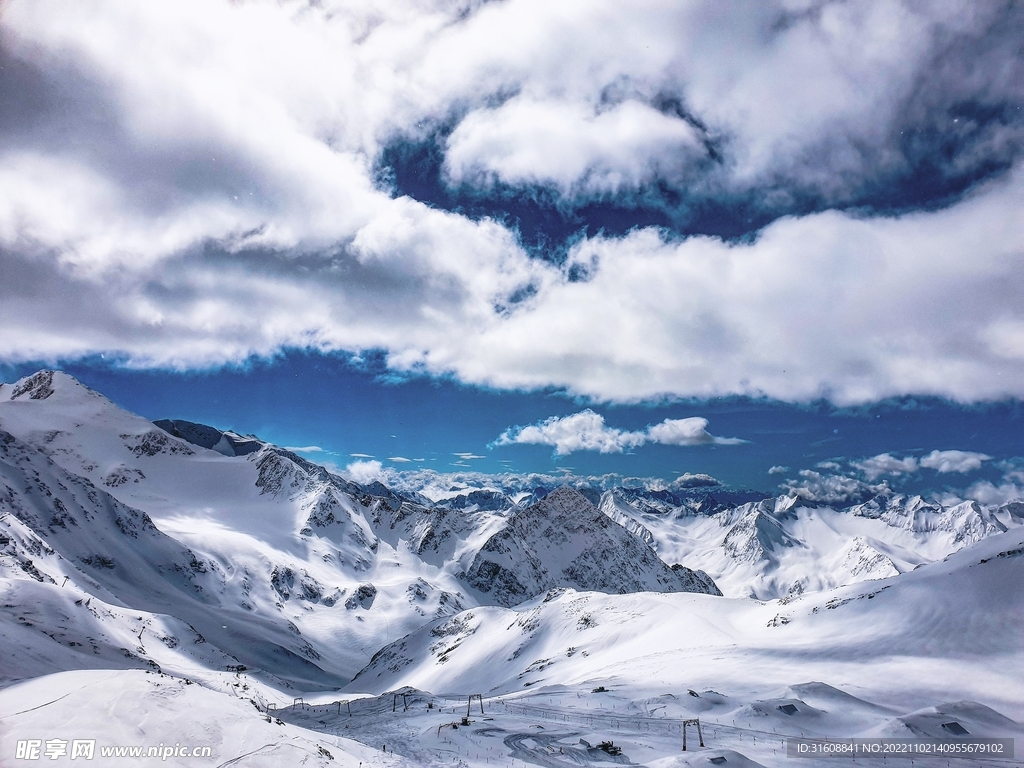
(342, 414)
(549, 235)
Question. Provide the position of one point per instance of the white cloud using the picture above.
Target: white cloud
(941, 461)
(694, 480)
(702, 317)
(586, 431)
(467, 455)
(304, 449)
(884, 464)
(399, 459)
(954, 461)
(583, 431)
(360, 455)
(1009, 489)
(570, 146)
(777, 470)
(691, 431)
(830, 488)
(196, 181)
(839, 483)
(364, 471)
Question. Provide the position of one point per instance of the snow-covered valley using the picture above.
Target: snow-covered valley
(178, 584)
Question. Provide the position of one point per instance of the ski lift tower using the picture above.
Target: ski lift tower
(700, 736)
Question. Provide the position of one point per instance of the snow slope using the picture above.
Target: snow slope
(961, 621)
(281, 565)
(147, 709)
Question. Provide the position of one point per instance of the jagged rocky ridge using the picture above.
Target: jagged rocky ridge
(565, 541)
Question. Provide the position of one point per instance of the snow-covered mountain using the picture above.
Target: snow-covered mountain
(962, 610)
(781, 546)
(751, 545)
(139, 558)
(263, 552)
(565, 541)
(282, 565)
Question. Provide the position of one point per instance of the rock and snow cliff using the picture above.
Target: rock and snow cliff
(565, 541)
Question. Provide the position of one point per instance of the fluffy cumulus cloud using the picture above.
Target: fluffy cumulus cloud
(570, 147)
(193, 183)
(884, 464)
(941, 461)
(954, 461)
(691, 431)
(587, 431)
(363, 471)
(583, 431)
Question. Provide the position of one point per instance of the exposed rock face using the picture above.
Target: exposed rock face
(565, 541)
(483, 499)
(227, 443)
(39, 386)
(696, 581)
(363, 597)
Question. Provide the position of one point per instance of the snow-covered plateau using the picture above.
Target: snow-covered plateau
(175, 586)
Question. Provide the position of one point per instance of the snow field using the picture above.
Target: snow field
(136, 708)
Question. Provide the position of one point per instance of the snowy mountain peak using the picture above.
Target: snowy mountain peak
(38, 386)
(42, 385)
(565, 541)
